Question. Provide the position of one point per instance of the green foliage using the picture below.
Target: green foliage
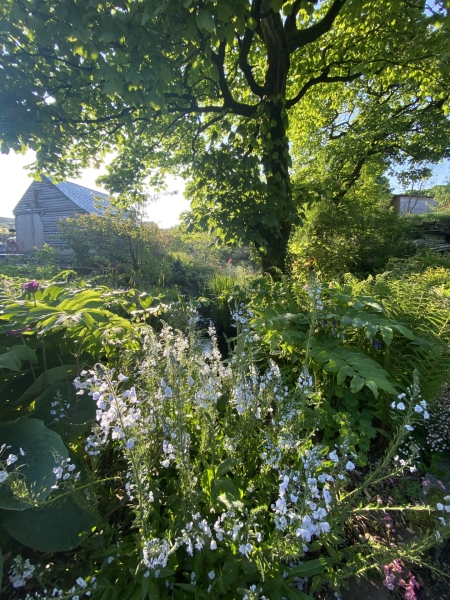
(33, 475)
(207, 91)
(357, 235)
(421, 301)
(40, 264)
(191, 445)
(64, 412)
(122, 242)
(53, 527)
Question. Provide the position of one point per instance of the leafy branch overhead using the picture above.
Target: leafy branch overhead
(204, 89)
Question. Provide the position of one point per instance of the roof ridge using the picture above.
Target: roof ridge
(84, 187)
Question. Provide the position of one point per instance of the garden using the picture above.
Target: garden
(254, 404)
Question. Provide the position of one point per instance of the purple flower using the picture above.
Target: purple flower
(377, 344)
(31, 286)
(17, 332)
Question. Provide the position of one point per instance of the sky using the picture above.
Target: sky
(15, 181)
(166, 211)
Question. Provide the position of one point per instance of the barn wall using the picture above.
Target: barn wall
(29, 231)
(46, 201)
(415, 204)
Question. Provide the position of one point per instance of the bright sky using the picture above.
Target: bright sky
(14, 181)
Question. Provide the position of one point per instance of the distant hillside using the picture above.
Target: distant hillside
(5, 224)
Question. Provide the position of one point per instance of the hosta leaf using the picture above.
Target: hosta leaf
(56, 527)
(37, 449)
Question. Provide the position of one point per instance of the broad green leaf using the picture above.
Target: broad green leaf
(11, 361)
(372, 387)
(205, 21)
(356, 384)
(36, 448)
(56, 527)
(226, 466)
(311, 567)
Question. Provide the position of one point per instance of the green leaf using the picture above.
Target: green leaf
(56, 527)
(65, 412)
(62, 373)
(311, 567)
(226, 466)
(11, 361)
(36, 448)
(292, 594)
(205, 21)
(230, 573)
(372, 387)
(356, 384)
(344, 372)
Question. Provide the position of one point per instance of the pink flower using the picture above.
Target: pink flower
(31, 286)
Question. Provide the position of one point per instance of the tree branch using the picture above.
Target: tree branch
(239, 108)
(322, 78)
(245, 46)
(297, 39)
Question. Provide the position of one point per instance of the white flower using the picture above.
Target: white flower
(326, 496)
(3, 476)
(426, 415)
(168, 392)
(211, 575)
(439, 506)
(401, 406)
(323, 527)
(305, 534)
(409, 428)
(350, 466)
(418, 408)
(245, 549)
(213, 545)
(58, 472)
(165, 463)
(333, 456)
(122, 377)
(401, 396)
(81, 582)
(11, 459)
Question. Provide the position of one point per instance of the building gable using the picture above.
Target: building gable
(44, 204)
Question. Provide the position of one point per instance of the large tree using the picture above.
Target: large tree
(204, 89)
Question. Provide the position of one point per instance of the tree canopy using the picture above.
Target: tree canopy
(206, 89)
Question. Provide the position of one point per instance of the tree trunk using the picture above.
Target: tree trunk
(280, 209)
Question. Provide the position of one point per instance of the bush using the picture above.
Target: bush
(349, 238)
(122, 242)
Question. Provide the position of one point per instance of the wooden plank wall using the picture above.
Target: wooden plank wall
(45, 199)
(29, 231)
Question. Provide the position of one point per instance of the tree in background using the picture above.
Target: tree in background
(204, 89)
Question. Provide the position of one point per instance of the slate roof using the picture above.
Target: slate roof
(82, 196)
